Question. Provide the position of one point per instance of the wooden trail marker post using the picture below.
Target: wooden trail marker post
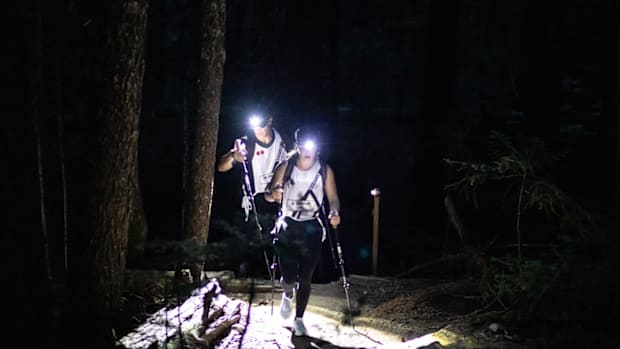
(376, 193)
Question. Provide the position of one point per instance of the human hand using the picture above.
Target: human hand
(274, 193)
(278, 188)
(239, 150)
(334, 221)
(334, 218)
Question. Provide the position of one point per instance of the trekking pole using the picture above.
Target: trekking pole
(325, 219)
(345, 282)
(274, 263)
(331, 248)
(247, 188)
(274, 232)
(346, 285)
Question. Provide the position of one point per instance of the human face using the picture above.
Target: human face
(308, 149)
(264, 128)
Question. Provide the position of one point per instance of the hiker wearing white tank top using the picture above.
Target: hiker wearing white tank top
(301, 185)
(262, 149)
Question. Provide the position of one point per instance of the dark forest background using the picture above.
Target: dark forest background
(396, 88)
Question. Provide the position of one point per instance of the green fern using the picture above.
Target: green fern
(518, 281)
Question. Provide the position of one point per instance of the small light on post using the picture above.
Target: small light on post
(375, 192)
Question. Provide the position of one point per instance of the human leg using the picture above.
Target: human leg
(310, 256)
(288, 252)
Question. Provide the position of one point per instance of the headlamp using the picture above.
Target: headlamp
(257, 121)
(306, 139)
(309, 145)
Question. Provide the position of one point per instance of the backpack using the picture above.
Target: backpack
(290, 164)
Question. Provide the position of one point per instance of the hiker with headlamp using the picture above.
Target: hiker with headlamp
(262, 149)
(257, 154)
(300, 185)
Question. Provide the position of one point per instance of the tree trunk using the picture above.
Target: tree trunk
(138, 226)
(61, 154)
(199, 193)
(36, 81)
(117, 152)
(616, 204)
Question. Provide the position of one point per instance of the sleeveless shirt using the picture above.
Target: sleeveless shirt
(264, 161)
(298, 203)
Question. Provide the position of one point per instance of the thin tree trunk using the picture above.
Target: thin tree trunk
(118, 145)
(61, 151)
(46, 253)
(616, 204)
(185, 174)
(36, 82)
(199, 194)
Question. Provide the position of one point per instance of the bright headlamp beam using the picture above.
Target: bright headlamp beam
(309, 145)
(256, 121)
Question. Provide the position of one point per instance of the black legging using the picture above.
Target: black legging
(299, 251)
(267, 213)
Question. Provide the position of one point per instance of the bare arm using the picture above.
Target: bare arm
(227, 161)
(274, 193)
(331, 191)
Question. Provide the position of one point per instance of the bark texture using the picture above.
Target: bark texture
(199, 194)
(118, 145)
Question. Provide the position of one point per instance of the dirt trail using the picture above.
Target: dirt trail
(388, 313)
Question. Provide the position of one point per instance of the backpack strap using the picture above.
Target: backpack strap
(290, 164)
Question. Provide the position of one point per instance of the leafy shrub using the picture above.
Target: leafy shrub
(521, 281)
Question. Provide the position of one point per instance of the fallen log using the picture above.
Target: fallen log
(165, 324)
(218, 326)
(211, 337)
(206, 303)
(217, 313)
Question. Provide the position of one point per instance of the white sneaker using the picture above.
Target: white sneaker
(300, 328)
(285, 306)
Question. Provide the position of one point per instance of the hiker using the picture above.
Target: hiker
(262, 150)
(300, 186)
(257, 154)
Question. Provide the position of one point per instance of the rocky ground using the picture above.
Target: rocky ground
(386, 313)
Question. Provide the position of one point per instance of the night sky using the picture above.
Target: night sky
(395, 87)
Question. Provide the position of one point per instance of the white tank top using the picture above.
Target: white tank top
(297, 203)
(265, 160)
